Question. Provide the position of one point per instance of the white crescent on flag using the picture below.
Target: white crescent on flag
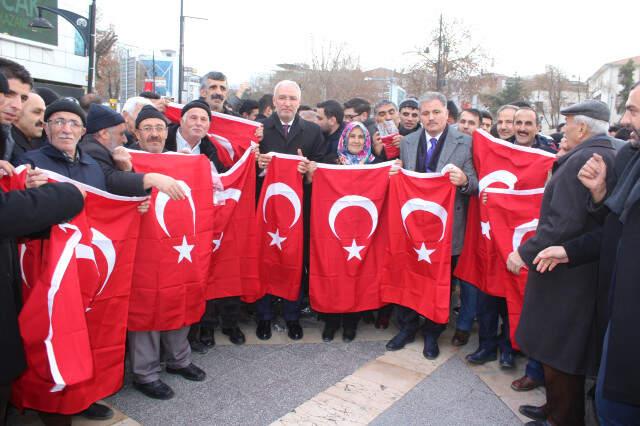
(279, 188)
(353, 201)
(418, 204)
(228, 194)
(520, 231)
(502, 176)
(161, 202)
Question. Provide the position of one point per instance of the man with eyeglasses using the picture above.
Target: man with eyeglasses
(104, 143)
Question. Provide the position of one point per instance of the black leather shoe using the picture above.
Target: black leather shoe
(198, 347)
(206, 337)
(533, 412)
(482, 356)
(431, 349)
(263, 330)
(506, 360)
(236, 336)
(328, 333)
(155, 390)
(295, 330)
(348, 335)
(190, 372)
(460, 338)
(399, 341)
(97, 412)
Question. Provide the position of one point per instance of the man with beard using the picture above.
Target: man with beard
(525, 126)
(409, 117)
(330, 116)
(28, 128)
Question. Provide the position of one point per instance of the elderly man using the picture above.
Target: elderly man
(469, 120)
(27, 129)
(430, 151)
(130, 111)
(145, 346)
(558, 316)
(287, 133)
(104, 143)
(504, 121)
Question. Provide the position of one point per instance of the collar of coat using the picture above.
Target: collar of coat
(601, 140)
(52, 152)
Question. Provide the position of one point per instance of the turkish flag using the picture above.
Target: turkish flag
(417, 271)
(234, 262)
(348, 237)
(16, 181)
(279, 226)
(102, 264)
(174, 249)
(514, 217)
(231, 135)
(498, 164)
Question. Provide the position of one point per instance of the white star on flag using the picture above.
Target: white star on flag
(423, 253)
(276, 239)
(354, 250)
(184, 249)
(486, 227)
(216, 243)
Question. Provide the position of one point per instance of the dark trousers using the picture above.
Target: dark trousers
(349, 320)
(534, 370)
(409, 322)
(5, 393)
(490, 310)
(227, 308)
(565, 397)
(290, 309)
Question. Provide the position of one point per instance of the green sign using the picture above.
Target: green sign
(15, 16)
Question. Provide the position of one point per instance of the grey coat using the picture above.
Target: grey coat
(558, 321)
(456, 151)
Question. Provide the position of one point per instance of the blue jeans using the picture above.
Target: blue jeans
(468, 305)
(291, 309)
(534, 370)
(613, 413)
(490, 309)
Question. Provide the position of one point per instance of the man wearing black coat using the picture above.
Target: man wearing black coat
(558, 315)
(285, 132)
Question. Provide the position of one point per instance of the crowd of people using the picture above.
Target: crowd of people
(577, 319)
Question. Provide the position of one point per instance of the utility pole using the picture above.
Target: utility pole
(181, 54)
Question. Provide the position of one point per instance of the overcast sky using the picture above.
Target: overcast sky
(246, 37)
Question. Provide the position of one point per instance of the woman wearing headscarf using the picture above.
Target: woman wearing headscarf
(354, 148)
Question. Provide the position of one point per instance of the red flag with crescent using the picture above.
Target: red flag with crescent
(514, 217)
(234, 248)
(174, 249)
(100, 246)
(498, 164)
(417, 271)
(279, 226)
(231, 135)
(348, 237)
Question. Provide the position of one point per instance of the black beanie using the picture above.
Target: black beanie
(149, 111)
(196, 104)
(102, 117)
(49, 96)
(4, 84)
(65, 105)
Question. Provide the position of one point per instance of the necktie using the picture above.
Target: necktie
(427, 157)
(285, 128)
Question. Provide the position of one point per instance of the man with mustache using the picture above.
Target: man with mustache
(525, 126)
(28, 128)
(104, 143)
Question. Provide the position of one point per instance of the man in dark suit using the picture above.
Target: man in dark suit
(440, 145)
(285, 132)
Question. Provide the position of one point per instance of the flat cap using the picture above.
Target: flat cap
(66, 105)
(595, 109)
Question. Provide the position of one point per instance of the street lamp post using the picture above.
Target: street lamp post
(181, 50)
(85, 26)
